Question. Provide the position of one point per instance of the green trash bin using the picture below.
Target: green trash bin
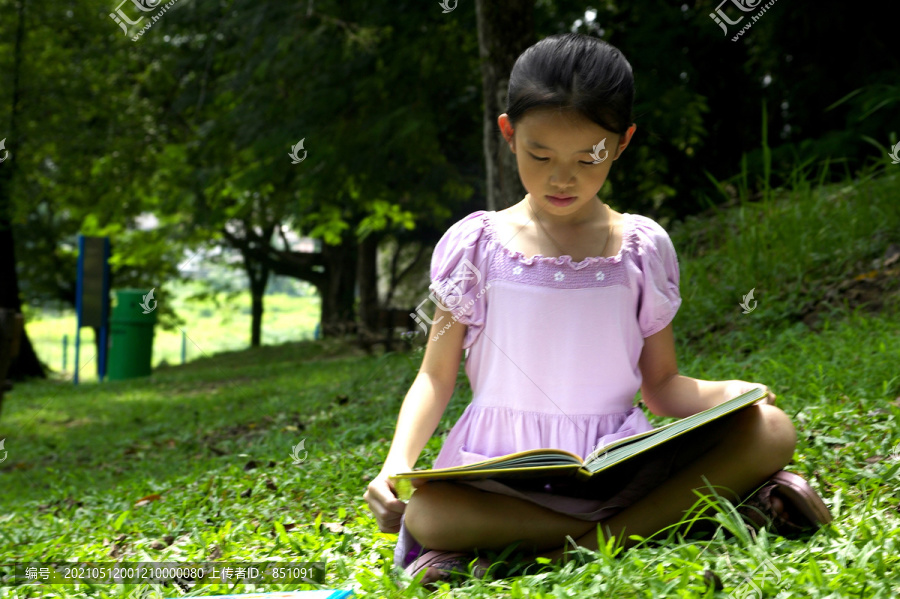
(131, 324)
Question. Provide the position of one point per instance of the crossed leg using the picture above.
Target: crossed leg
(758, 441)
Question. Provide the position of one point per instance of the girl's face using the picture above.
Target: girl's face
(563, 158)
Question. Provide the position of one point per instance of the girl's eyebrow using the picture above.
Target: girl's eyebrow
(543, 147)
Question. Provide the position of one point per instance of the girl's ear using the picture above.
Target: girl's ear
(506, 129)
(625, 140)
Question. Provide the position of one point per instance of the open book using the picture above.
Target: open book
(606, 466)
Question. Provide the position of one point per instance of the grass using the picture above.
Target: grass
(212, 439)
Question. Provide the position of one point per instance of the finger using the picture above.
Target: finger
(418, 482)
(387, 502)
(389, 528)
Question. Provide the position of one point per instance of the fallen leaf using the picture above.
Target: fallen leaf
(290, 526)
(271, 485)
(157, 545)
(873, 459)
(169, 539)
(335, 527)
(215, 553)
(145, 500)
(249, 465)
(247, 493)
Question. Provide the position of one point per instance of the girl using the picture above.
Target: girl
(564, 307)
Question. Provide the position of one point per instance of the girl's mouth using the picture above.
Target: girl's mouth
(561, 201)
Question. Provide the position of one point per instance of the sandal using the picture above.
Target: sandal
(802, 507)
(444, 565)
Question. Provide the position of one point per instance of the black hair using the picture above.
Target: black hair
(574, 71)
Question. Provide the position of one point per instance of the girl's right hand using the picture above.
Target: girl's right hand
(383, 502)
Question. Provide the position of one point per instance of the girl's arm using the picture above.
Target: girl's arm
(667, 393)
(420, 414)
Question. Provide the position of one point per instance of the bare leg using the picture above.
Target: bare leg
(452, 517)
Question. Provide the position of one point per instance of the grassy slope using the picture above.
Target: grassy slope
(213, 438)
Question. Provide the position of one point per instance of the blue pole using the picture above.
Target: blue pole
(183, 346)
(65, 350)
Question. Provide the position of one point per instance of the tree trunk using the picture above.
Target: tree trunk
(505, 30)
(257, 268)
(338, 294)
(258, 281)
(367, 281)
(26, 364)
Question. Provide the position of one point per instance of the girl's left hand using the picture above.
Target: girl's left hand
(735, 388)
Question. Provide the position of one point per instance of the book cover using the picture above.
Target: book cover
(604, 462)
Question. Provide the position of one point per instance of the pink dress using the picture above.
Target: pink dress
(552, 349)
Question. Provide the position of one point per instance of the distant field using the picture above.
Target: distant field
(209, 330)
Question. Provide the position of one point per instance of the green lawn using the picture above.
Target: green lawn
(213, 440)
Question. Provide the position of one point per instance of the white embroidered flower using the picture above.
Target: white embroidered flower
(559, 276)
(600, 275)
(517, 270)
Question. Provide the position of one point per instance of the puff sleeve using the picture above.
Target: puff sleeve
(658, 295)
(459, 274)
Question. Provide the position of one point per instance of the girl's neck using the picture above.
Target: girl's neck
(580, 235)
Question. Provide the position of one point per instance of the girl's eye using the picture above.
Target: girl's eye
(546, 159)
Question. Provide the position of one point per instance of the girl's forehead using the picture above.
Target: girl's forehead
(548, 127)
(553, 118)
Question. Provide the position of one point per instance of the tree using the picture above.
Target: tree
(26, 363)
(505, 30)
